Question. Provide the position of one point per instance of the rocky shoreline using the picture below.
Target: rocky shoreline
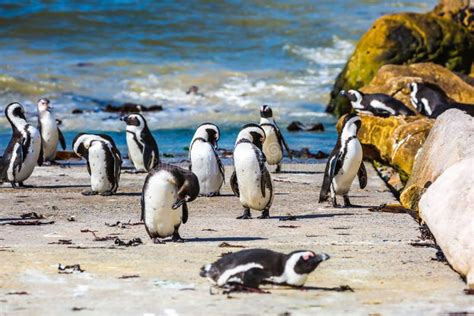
(420, 156)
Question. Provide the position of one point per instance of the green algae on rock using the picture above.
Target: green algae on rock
(404, 38)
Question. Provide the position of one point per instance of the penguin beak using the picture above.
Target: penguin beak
(178, 203)
(124, 118)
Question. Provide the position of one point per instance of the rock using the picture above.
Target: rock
(447, 209)
(394, 141)
(66, 155)
(404, 38)
(393, 80)
(297, 126)
(132, 108)
(77, 111)
(450, 140)
(307, 154)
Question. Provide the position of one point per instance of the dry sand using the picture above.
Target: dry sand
(370, 252)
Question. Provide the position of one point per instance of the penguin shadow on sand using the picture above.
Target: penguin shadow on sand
(297, 172)
(309, 216)
(223, 239)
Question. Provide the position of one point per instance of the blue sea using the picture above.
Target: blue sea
(240, 54)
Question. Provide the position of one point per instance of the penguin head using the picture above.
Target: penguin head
(351, 124)
(135, 121)
(208, 131)
(266, 111)
(253, 133)
(15, 113)
(209, 271)
(305, 261)
(44, 105)
(413, 96)
(425, 96)
(354, 96)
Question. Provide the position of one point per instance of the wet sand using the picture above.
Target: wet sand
(369, 251)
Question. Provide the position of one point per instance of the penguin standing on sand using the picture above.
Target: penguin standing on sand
(251, 181)
(344, 163)
(378, 104)
(249, 268)
(50, 132)
(274, 141)
(103, 162)
(205, 161)
(142, 147)
(430, 100)
(165, 195)
(24, 150)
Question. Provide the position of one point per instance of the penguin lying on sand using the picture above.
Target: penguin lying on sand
(378, 104)
(50, 132)
(165, 195)
(344, 163)
(252, 267)
(24, 150)
(251, 181)
(274, 141)
(103, 162)
(142, 147)
(205, 161)
(430, 100)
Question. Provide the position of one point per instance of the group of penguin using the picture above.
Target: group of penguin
(427, 98)
(168, 188)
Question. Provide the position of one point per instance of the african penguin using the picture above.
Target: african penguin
(103, 162)
(378, 104)
(50, 132)
(252, 267)
(24, 150)
(274, 141)
(344, 163)
(430, 100)
(142, 147)
(165, 195)
(205, 161)
(251, 181)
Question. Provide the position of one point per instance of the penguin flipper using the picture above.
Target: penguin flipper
(282, 141)
(18, 159)
(147, 157)
(40, 157)
(254, 277)
(62, 140)
(265, 181)
(362, 175)
(142, 204)
(234, 185)
(329, 173)
(184, 217)
(219, 163)
(88, 167)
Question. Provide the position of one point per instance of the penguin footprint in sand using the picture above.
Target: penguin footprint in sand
(251, 181)
(165, 195)
(252, 267)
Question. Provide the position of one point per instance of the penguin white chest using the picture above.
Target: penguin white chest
(158, 197)
(134, 151)
(272, 147)
(350, 166)
(31, 159)
(205, 166)
(49, 135)
(249, 175)
(98, 165)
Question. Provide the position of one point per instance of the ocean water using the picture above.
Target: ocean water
(241, 55)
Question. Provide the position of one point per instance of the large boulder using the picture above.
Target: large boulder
(406, 38)
(451, 139)
(393, 80)
(447, 208)
(393, 141)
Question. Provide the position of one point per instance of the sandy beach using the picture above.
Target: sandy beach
(370, 252)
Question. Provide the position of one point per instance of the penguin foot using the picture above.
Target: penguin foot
(176, 237)
(210, 194)
(14, 186)
(158, 241)
(278, 169)
(89, 193)
(22, 185)
(106, 193)
(245, 215)
(334, 202)
(265, 214)
(236, 288)
(347, 202)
